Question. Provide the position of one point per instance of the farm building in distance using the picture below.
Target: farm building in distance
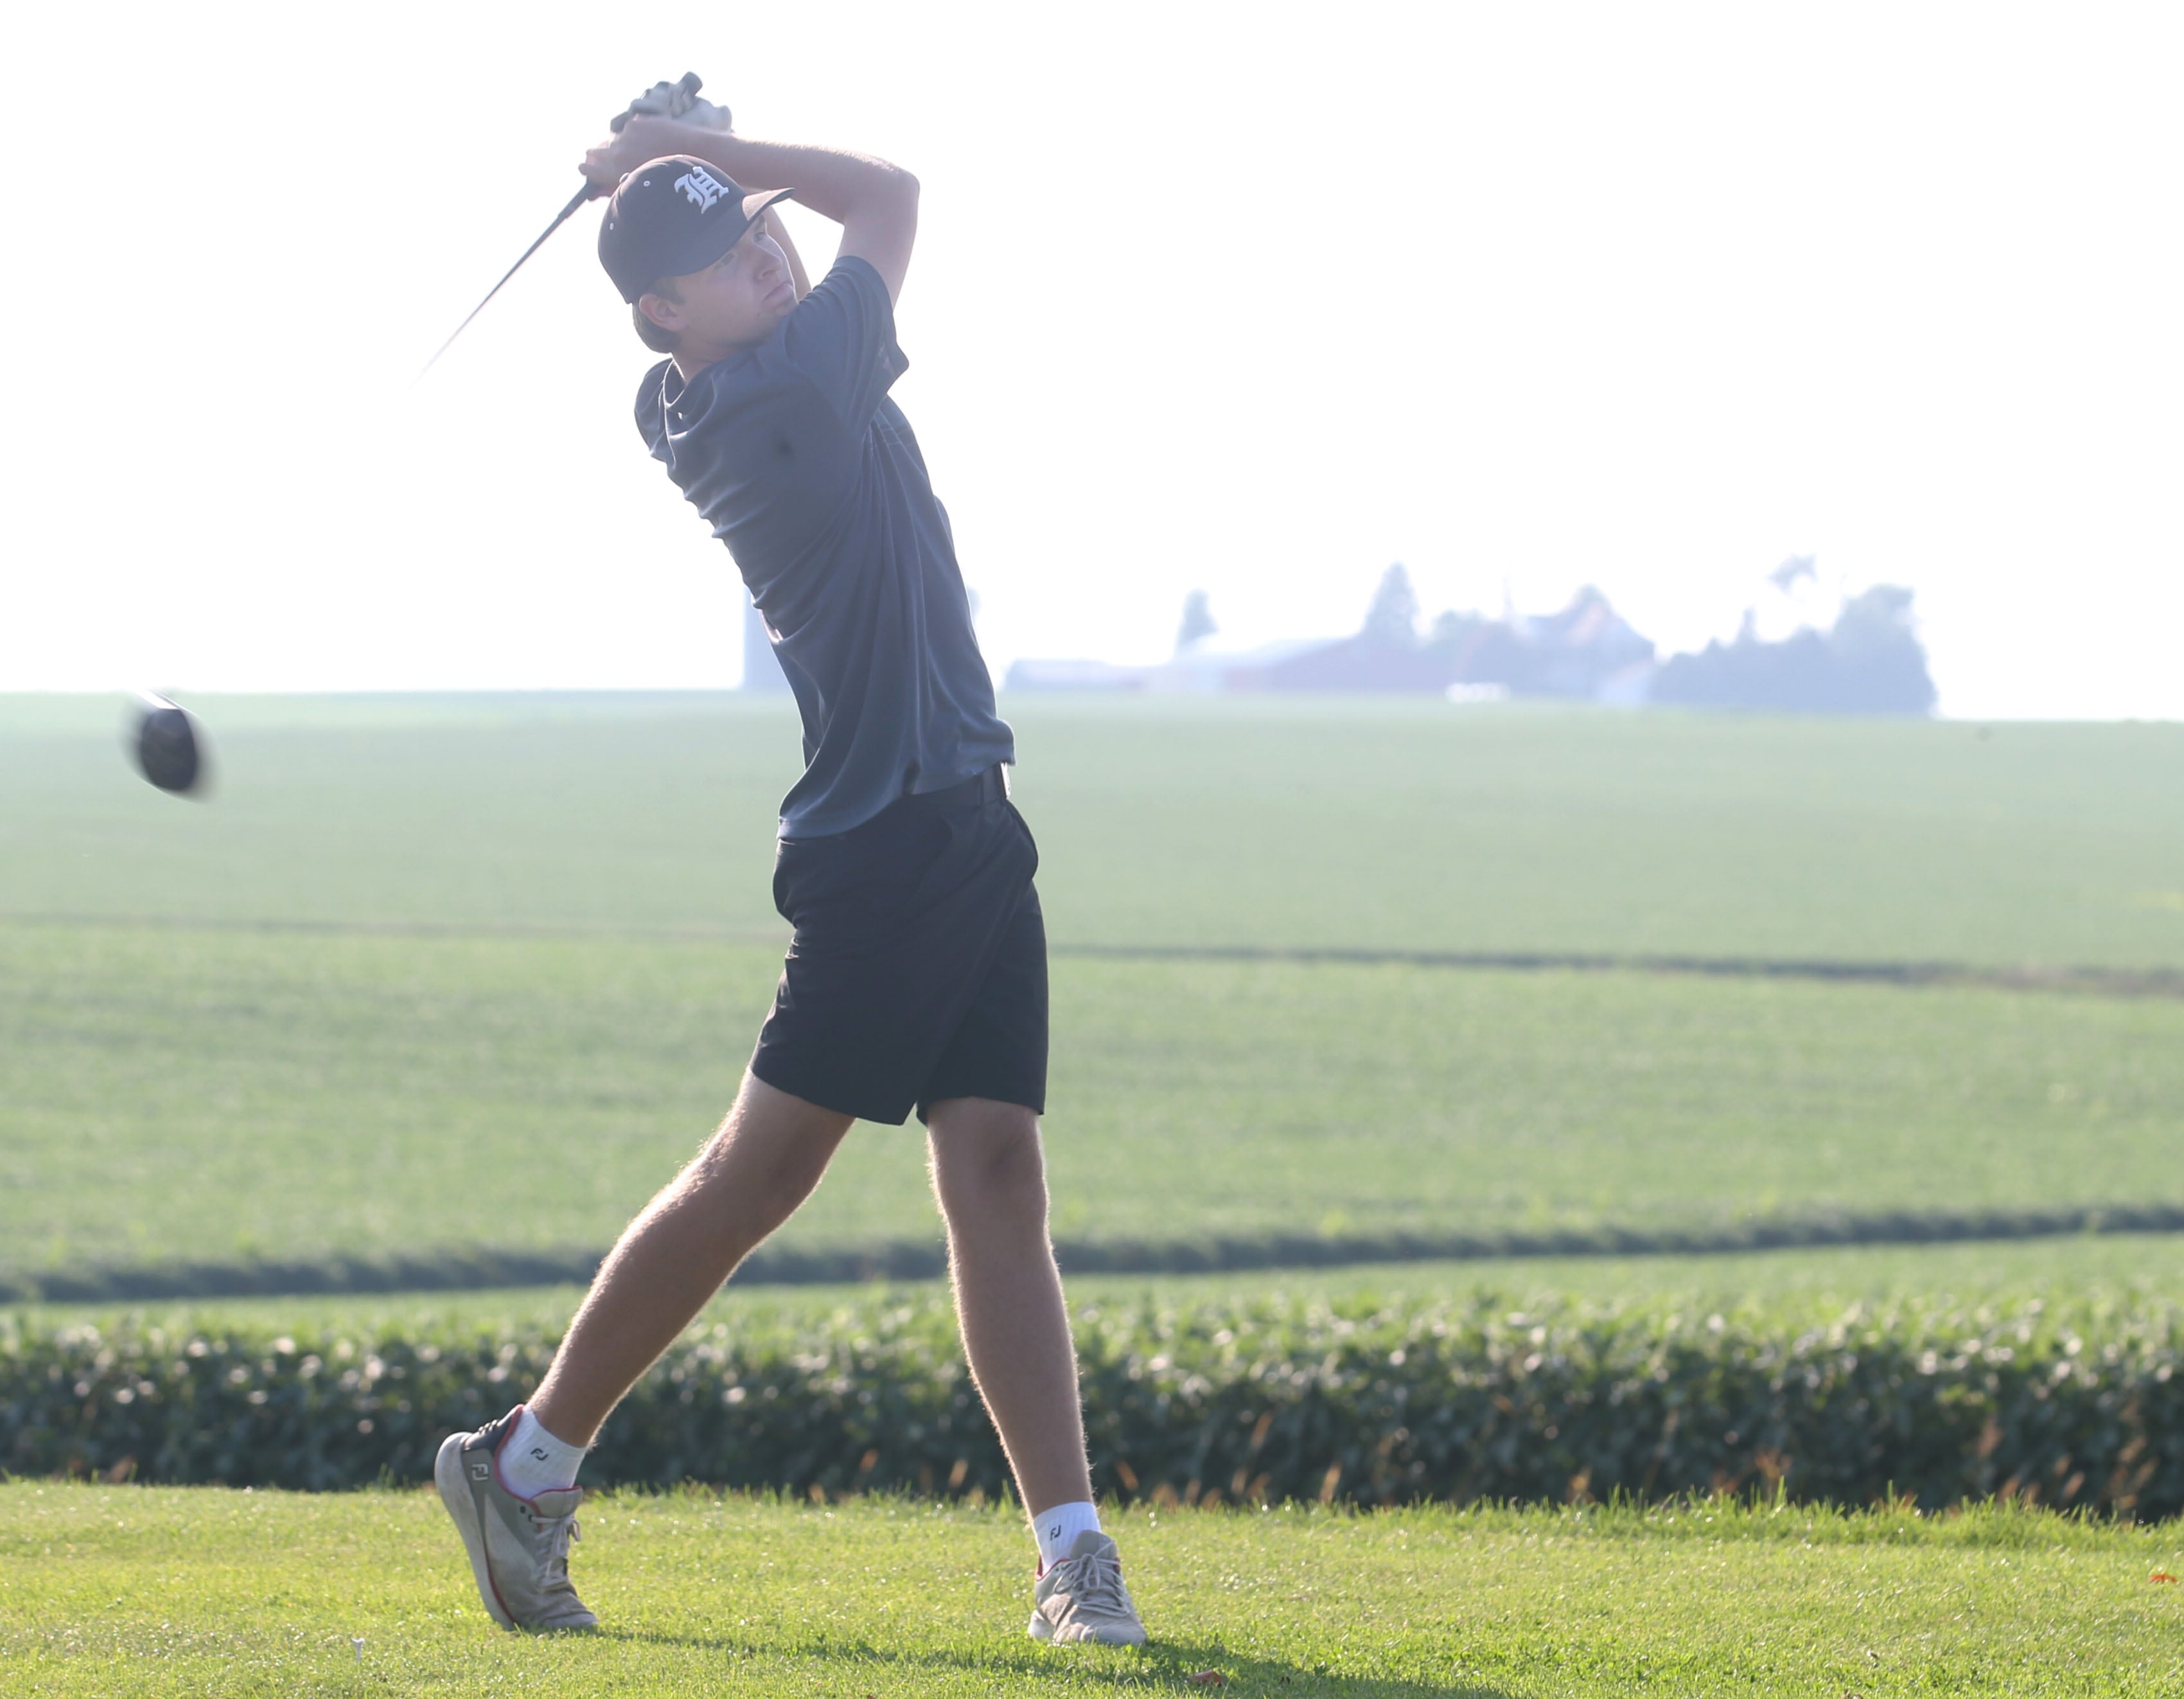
(1587, 651)
(1869, 662)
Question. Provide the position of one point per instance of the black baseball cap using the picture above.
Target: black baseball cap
(673, 216)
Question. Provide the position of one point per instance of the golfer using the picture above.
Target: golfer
(916, 978)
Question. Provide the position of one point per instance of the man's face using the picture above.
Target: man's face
(732, 303)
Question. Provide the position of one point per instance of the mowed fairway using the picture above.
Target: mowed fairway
(432, 977)
(429, 976)
(177, 1095)
(1358, 824)
(1791, 1289)
(160, 1591)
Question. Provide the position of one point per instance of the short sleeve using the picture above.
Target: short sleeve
(840, 339)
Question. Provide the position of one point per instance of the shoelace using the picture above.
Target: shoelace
(557, 1547)
(1098, 1583)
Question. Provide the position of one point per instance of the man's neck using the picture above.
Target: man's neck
(687, 366)
(696, 361)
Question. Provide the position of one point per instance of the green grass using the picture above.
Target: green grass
(223, 1095)
(148, 1591)
(434, 972)
(1390, 824)
(2113, 1270)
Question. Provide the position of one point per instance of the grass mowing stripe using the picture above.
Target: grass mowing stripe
(1381, 824)
(2107, 981)
(484, 1268)
(169, 1593)
(2123, 1271)
(231, 1099)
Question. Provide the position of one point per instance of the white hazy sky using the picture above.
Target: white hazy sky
(1252, 297)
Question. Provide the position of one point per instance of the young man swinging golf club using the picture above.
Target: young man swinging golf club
(917, 975)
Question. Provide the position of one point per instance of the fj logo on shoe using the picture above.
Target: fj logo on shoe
(480, 1471)
(701, 186)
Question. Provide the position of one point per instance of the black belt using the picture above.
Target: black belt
(989, 786)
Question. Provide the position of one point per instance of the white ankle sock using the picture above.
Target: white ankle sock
(532, 1461)
(1056, 1529)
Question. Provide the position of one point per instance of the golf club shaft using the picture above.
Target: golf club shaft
(560, 219)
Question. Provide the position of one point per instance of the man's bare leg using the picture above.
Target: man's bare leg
(768, 1156)
(510, 1486)
(990, 1176)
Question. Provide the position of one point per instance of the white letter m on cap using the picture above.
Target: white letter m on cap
(702, 186)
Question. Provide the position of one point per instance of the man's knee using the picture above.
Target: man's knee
(771, 1149)
(987, 1159)
(778, 1179)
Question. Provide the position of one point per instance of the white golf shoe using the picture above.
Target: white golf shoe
(519, 1547)
(1082, 1597)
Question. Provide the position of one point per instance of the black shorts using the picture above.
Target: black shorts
(917, 971)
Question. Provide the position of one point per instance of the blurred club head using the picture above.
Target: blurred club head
(168, 747)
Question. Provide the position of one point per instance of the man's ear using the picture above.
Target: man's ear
(663, 312)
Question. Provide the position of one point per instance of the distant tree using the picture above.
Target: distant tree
(1451, 628)
(1471, 648)
(1877, 622)
(1876, 648)
(1797, 567)
(1197, 622)
(1582, 651)
(1393, 618)
(1575, 653)
(1871, 662)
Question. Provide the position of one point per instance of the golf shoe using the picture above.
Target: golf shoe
(1082, 1597)
(519, 1547)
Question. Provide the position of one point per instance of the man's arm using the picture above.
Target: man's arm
(876, 204)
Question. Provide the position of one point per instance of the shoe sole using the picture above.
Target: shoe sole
(1043, 1630)
(455, 1494)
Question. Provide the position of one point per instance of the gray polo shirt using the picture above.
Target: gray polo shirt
(805, 468)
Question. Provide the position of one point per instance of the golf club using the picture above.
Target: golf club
(588, 192)
(164, 739)
(677, 99)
